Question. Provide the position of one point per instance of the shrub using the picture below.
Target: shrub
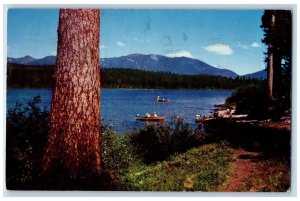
(116, 153)
(27, 128)
(157, 142)
(152, 143)
(252, 100)
(183, 137)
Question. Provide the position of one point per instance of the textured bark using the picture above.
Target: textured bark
(270, 77)
(271, 65)
(74, 141)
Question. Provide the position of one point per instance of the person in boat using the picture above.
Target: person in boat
(154, 114)
(147, 115)
(162, 100)
(198, 118)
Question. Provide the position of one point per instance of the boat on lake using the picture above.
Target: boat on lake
(158, 99)
(202, 119)
(150, 117)
(153, 119)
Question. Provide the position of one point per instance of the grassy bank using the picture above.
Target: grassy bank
(203, 168)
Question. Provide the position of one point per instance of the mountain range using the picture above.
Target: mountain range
(151, 62)
(28, 60)
(155, 62)
(262, 74)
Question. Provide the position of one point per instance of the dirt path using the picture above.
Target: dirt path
(245, 163)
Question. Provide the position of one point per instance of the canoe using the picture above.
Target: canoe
(155, 119)
(164, 100)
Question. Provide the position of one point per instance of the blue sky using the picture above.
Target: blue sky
(223, 38)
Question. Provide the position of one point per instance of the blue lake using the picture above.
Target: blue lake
(120, 106)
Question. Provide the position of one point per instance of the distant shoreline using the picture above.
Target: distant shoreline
(20, 77)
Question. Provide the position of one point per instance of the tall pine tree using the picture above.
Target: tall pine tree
(74, 141)
(277, 27)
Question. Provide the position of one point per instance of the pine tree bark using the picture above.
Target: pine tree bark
(271, 64)
(270, 77)
(74, 138)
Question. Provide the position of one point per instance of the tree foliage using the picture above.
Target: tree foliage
(27, 127)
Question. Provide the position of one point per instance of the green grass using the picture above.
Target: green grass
(203, 168)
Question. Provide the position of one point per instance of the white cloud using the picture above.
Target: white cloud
(222, 49)
(103, 47)
(120, 44)
(53, 53)
(255, 45)
(243, 46)
(182, 53)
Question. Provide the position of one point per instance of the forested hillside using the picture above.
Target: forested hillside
(25, 76)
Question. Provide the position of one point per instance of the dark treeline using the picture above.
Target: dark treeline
(24, 76)
(129, 78)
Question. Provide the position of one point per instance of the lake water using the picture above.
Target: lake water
(120, 106)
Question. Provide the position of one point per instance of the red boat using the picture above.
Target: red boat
(154, 119)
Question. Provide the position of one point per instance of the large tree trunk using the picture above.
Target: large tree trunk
(74, 141)
(271, 64)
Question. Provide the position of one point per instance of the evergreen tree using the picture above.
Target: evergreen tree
(277, 27)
